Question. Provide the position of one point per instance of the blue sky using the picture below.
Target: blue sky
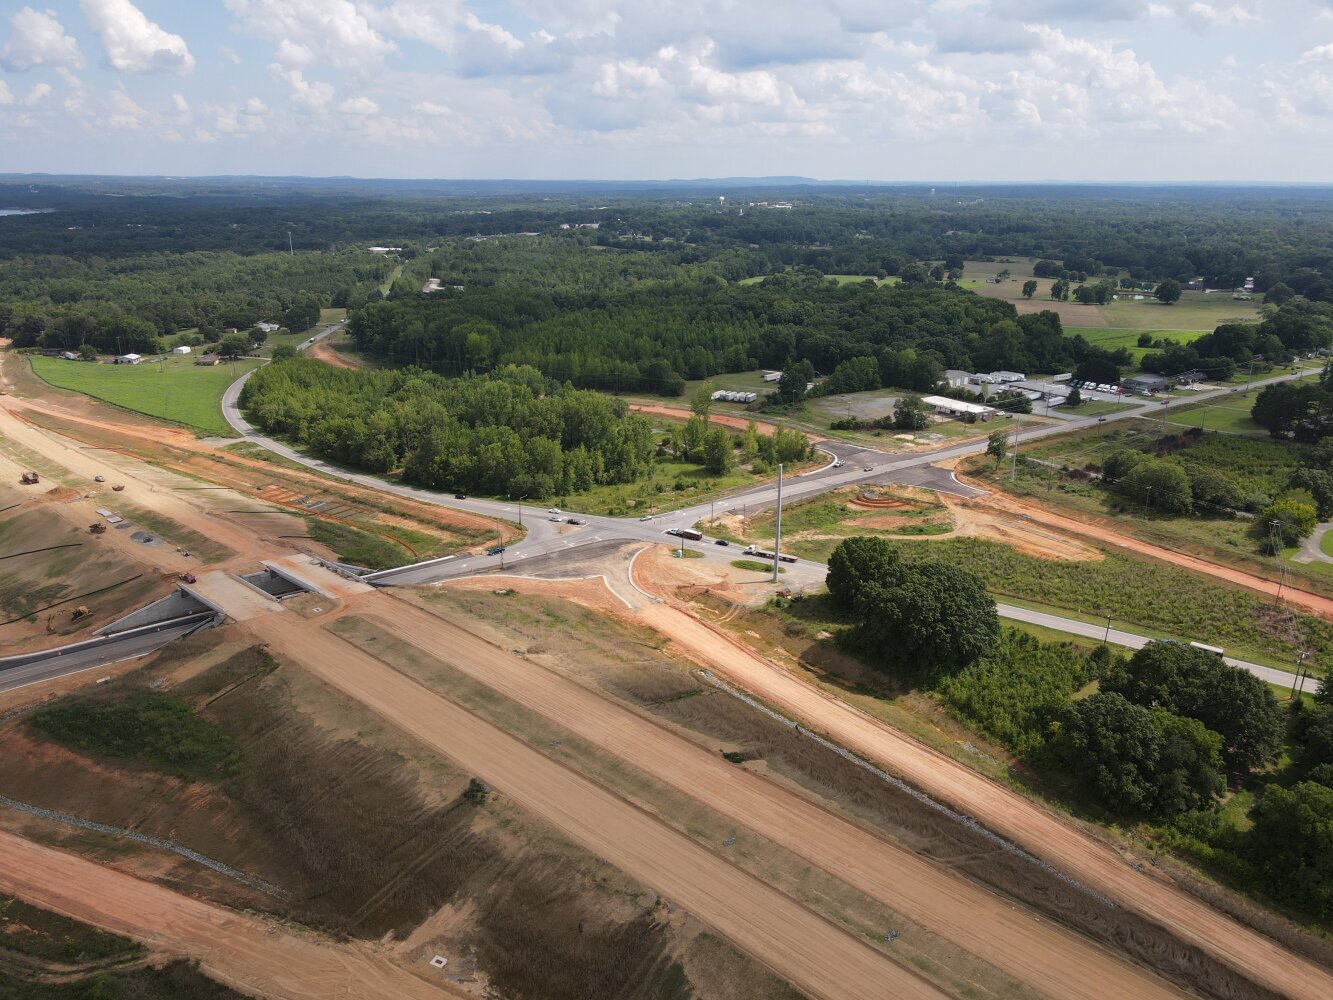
(1003, 90)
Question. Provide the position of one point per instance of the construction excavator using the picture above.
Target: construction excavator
(75, 615)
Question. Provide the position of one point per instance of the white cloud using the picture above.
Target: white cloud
(6, 95)
(123, 112)
(230, 54)
(254, 106)
(358, 106)
(37, 38)
(1320, 53)
(133, 44)
(179, 102)
(315, 96)
(38, 93)
(337, 32)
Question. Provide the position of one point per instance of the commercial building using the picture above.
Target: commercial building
(1146, 383)
(958, 409)
(957, 379)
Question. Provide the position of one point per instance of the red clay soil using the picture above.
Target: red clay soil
(1004, 811)
(1040, 953)
(1321, 606)
(720, 419)
(803, 947)
(323, 351)
(261, 958)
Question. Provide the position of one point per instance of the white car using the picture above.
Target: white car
(838, 464)
(553, 510)
(646, 517)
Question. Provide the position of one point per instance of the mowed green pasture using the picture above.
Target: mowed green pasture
(1231, 416)
(174, 389)
(1114, 337)
(1194, 311)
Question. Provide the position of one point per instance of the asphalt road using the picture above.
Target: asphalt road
(32, 668)
(859, 465)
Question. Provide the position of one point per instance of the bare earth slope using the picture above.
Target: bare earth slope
(801, 946)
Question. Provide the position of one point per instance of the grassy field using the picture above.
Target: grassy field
(1095, 409)
(672, 485)
(175, 389)
(1231, 416)
(842, 279)
(1195, 311)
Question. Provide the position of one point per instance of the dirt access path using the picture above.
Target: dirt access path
(1321, 606)
(257, 957)
(1037, 952)
(720, 419)
(1022, 821)
(323, 351)
(802, 947)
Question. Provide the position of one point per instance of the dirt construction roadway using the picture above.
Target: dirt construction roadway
(1039, 953)
(1022, 821)
(813, 953)
(254, 956)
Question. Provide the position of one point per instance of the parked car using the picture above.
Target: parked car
(868, 468)
(99, 479)
(495, 550)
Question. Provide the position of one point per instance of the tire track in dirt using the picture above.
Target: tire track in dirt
(799, 945)
(1037, 952)
(1020, 820)
(257, 957)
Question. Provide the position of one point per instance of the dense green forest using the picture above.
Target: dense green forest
(507, 432)
(626, 321)
(122, 304)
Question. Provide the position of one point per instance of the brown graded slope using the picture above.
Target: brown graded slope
(254, 956)
(1037, 952)
(1021, 820)
(802, 947)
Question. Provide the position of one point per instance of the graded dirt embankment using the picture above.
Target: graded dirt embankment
(1026, 823)
(256, 957)
(1322, 606)
(799, 945)
(1037, 952)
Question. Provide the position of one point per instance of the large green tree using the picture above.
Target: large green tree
(1201, 685)
(1292, 842)
(1139, 761)
(855, 564)
(1168, 291)
(928, 616)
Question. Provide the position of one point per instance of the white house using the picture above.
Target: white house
(268, 327)
(128, 359)
(182, 349)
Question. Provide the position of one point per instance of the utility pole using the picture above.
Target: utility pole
(1298, 685)
(777, 534)
(1013, 459)
(500, 535)
(1106, 639)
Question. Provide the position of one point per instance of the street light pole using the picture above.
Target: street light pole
(777, 534)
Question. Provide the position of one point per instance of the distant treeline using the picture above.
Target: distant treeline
(646, 335)
(509, 432)
(121, 305)
(1221, 234)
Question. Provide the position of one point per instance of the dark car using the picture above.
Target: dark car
(721, 541)
(575, 520)
(460, 496)
(495, 550)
